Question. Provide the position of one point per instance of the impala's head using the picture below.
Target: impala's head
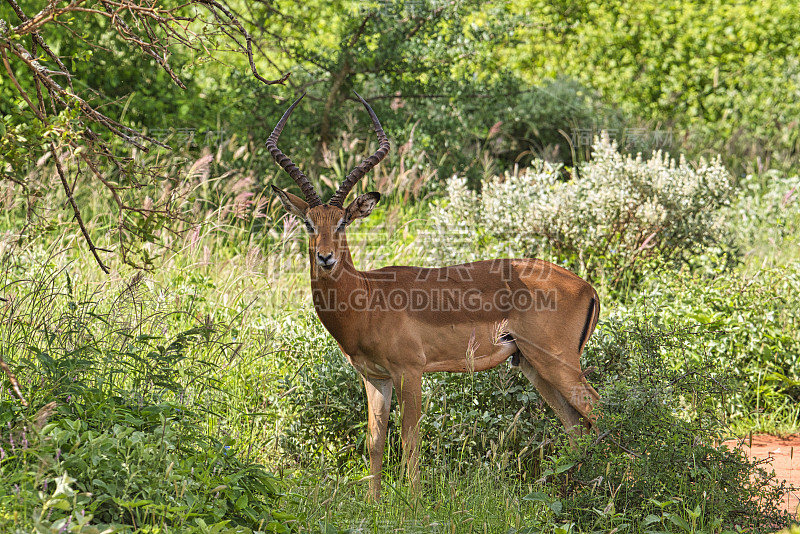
(326, 223)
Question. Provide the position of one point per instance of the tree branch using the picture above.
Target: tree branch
(248, 39)
(75, 209)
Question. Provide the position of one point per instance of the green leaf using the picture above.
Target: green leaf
(537, 496)
(60, 503)
(680, 522)
(650, 519)
(561, 468)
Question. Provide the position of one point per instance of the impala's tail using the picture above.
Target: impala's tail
(592, 316)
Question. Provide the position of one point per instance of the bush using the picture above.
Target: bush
(324, 405)
(724, 75)
(118, 429)
(542, 120)
(754, 321)
(547, 121)
(657, 461)
(615, 211)
(765, 218)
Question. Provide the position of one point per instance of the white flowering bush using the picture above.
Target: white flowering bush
(615, 210)
(456, 226)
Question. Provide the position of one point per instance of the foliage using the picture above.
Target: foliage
(764, 220)
(406, 52)
(324, 404)
(72, 125)
(496, 83)
(723, 74)
(207, 193)
(132, 465)
(753, 318)
(615, 211)
(116, 429)
(657, 462)
(550, 121)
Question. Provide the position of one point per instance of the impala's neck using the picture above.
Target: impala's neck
(339, 296)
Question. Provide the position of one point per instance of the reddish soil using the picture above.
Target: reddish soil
(784, 454)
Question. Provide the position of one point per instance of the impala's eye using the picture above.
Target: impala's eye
(310, 228)
(342, 225)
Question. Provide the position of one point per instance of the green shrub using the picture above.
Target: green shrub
(765, 219)
(724, 75)
(754, 319)
(122, 425)
(475, 138)
(323, 411)
(547, 121)
(103, 460)
(657, 462)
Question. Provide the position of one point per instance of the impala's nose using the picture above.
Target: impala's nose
(326, 261)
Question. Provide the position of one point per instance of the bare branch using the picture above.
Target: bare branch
(147, 28)
(249, 40)
(75, 209)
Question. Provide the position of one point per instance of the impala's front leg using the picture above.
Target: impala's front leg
(409, 393)
(379, 398)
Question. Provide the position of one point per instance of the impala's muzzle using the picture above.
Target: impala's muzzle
(326, 261)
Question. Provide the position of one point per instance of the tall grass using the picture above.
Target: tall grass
(122, 417)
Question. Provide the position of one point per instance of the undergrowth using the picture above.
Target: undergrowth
(118, 421)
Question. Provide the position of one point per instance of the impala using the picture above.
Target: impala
(396, 323)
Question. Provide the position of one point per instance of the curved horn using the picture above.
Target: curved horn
(284, 161)
(365, 166)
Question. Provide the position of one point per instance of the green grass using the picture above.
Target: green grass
(482, 500)
(125, 409)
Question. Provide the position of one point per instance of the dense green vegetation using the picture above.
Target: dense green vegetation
(202, 393)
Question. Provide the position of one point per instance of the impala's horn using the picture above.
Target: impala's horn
(284, 161)
(365, 166)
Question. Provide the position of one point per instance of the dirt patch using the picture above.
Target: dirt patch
(784, 457)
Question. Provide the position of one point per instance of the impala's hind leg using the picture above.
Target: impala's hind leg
(561, 383)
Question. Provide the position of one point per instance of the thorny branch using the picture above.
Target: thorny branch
(150, 28)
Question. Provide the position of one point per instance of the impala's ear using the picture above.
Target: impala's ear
(292, 203)
(361, 207)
